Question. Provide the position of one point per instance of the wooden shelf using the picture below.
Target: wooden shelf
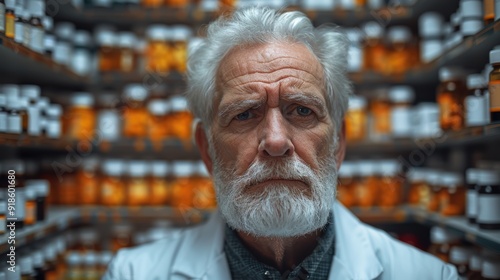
(24, 66)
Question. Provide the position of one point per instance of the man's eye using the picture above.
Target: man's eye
(243, 116)
(303, 111)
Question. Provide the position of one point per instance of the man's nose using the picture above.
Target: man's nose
(275, 139)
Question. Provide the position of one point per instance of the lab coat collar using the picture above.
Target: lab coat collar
(355, 256)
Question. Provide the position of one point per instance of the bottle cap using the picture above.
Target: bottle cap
(471, 175)
(451, 179)
(460, 254)
(183, 169)
(433, 177)
(471, 26)
(366, 168)
(37, 8)
(83, 99)
(373, 29)
(357, 102)
(401, 94)
(30, 193)
(156, 32)
(158, 107)
(209, 5)
(48, 23)
(90, 258)
(347, 169)
(376, 4)
(488, 177)
(11, 92)
(417, 174)
(3, 206)
(160, 168)
(450, 73)
(137, 168)
(495, 56)
(126, 40)
(49, 252)
(471, 8)
(65, 30)
(73, 258)
(476, 81)
(178, 104)
(82, 38)
(475, 261)
(54, 110)
(181, 33)
(491, 268)
(354, 35)
(440, 235)
(3, 100)
(135, 92)
(26, 264)
(201, 169)
(105, 35)
(430, 49)
(112, 167)
(105, 257)
(399, 34)
(389, 168)
(38, 259)
(19, 10)
(30, 91)
(10, 4)
(60, 245)
(430, 24)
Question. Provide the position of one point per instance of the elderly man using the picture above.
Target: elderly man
(271, 92)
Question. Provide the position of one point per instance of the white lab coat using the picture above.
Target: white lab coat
(361, 252)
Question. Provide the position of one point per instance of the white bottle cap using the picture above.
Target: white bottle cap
(389, 168)
(417, 174)
(105, 35)
(112, 167)
(470, 27)
(476, 81)
(471, 8)
(430, 49)
(399, 34)
(430, 24)
(26, 264)
(3, 100)
(401, 94)
(433, 177)
(73, 258)
(10, 4)
(11, 91)
(472, 175)
(178, 104)
(156, 32)
(30, 91)
(366, 168)
(495, 56)
(30, 193)
(460, 254)
(491, 268)
(357, 102)
(488, 177)
(65, 30)
(181, 33)
(38, 259)
(82, 99)
(135, 92)
(82, 38)
(90, 258)
(137, 168)
(159, 168)
(126, 40)
(450, 73)
(54, 110)
(347, 169)
(209, 5)
(451, 179)
(41, 186)
(475, 261)
(440, 235)
(49, 251)
(105, 257)
(373, 29)
(354, 35)
(158, 107)
(37, 8)
(48, 23)
(183, 169)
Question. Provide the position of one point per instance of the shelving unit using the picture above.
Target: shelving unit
(22, 65)
(144, 148)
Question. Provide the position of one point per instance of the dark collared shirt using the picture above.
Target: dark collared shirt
(316, 266)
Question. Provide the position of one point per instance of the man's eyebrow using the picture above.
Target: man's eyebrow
(238, 105)
(306, 99)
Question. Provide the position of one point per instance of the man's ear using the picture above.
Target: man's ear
(341, 146)
(201, 140)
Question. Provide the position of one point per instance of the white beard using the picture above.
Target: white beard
(278, 210)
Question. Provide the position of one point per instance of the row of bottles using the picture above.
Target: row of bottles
(137, 114)
(24, 111)
(115, 182)
(472, 262)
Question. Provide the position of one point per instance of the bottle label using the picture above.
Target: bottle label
(475, 110)
(14, 124)
(494, 88)
(3, 121)
(53, 129)
(2, 17)
(9, 26)
(489, 9)
(401, 121)
(488, 208)
(37, 39)
(471, 203)
(19, 32)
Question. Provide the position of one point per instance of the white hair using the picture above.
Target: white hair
(260, 25)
